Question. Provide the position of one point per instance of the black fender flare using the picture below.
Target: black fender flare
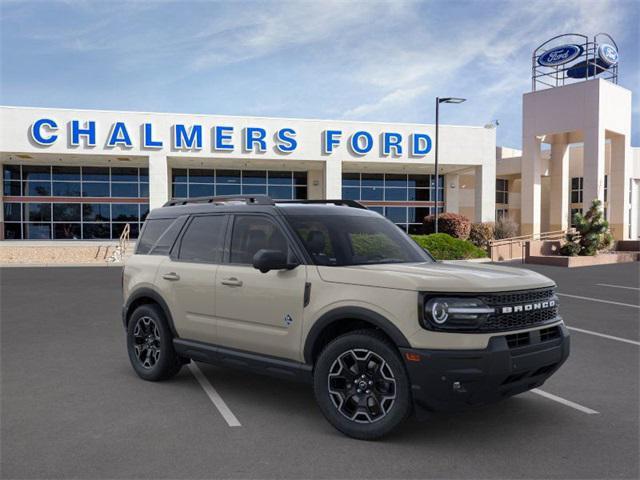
(352, 313)
(145, 292)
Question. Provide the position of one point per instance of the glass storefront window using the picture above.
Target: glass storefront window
(400, 188)
(196, 182)
(59, 218)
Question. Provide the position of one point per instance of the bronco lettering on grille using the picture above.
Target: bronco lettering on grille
(528, 307)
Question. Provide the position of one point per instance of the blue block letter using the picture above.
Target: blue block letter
(119, 136)
(184, 139)
(223, 135)
(286, 140)
(331, 139)
(253, 136)
(36, 131)
(421, 144)
(89, 131)
(391, 140)
(147, 138)
(355, 142)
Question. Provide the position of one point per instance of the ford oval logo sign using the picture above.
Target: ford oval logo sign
(560, 55)
(608, 54)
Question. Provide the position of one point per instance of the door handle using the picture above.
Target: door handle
(231, 282)
(173, 276)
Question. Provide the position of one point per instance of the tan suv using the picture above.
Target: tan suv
(334, 294)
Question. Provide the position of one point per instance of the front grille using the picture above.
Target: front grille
(550, 333)
(518, 339)
(523, 319)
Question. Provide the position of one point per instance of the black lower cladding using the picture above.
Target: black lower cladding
(450, 380)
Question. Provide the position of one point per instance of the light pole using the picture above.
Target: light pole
(438, 102)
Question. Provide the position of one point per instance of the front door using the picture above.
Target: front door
(188, 278)
(259, 312)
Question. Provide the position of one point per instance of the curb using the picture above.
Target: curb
(60, 265)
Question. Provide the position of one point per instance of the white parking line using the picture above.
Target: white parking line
(214, 396)
(564, 401)
(599, 300)
(610, 337)
(616, 286)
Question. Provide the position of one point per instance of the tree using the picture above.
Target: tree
(591, 235)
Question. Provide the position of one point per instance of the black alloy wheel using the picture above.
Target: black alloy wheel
(361, 385)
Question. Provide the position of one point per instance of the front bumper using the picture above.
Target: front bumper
(449, 380)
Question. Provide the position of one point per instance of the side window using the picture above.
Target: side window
(168, 238)
(252, 233)
(151, 232)
(203, 240)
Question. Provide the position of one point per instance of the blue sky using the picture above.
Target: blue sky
(370, 60)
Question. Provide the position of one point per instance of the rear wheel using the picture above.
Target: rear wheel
(361, 385)
(150, 344)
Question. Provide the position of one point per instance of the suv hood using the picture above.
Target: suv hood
(437, 277)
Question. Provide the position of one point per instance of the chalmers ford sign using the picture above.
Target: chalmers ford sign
(221, 138)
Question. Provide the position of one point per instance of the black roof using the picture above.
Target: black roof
(257, 203)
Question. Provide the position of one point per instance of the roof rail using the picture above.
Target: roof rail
(346, 203)
(248, 199)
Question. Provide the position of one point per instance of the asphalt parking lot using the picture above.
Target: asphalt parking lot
(73, 408)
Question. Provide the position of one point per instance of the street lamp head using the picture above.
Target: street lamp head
(451, 100)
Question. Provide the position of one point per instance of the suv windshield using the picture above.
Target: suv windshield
(343, 240)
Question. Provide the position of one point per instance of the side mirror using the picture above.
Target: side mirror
(265, 260)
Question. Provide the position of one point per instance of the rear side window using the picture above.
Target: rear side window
(203, 240)
(168, 238)
(151, 232)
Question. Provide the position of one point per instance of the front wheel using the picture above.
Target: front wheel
(361, 385)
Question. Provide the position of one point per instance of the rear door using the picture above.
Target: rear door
(188, 277)
(259, 312)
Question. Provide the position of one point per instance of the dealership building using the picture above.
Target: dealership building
(85, 174)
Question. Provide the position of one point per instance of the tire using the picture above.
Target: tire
(361, 385)
(150, 344)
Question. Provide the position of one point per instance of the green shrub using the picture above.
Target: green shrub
(367, 245)
(481, 234)
(445, 247)
(454, 224)
(592, 233)
(505, 227)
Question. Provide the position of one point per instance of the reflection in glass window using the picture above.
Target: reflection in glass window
(203, 239)
(64, 219)
(68, 231)
(95, 189)
(37, 231)
(395, 187)
(124, 212)
(66, 173)
(66, 189)
(96, 212)
(195, 182)
(38, 189)
(66, 212)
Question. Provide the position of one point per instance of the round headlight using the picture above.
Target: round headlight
(439, 312)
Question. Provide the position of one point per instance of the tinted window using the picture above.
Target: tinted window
(252, 233)
(339, 240)
(151, 233)
(168, 238)
(203, 240)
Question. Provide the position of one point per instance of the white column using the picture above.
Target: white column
(618, 188)
(559, 195)
(485, 192)
(531, 188)
(314, 184)
(332, 179)
(593, 167)
(452, 192)
(158, 180)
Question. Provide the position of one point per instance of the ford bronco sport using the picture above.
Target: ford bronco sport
(334, 294)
